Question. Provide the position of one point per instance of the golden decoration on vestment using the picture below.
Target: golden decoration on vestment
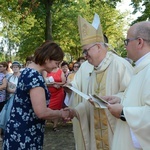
(100, 118)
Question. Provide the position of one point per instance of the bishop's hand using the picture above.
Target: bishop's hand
(112, 99)
(72, 113)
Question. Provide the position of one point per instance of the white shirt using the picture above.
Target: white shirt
(142, 58)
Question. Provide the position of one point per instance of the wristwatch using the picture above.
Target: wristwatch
(122, 117)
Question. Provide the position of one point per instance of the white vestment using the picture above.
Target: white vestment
(80, 81)
(136, 102)
(115, 75)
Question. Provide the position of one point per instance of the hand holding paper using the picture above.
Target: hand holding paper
(98, 101)
(112, 99)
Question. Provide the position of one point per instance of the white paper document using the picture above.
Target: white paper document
(85, 96)
(94, 99)
(98, 101)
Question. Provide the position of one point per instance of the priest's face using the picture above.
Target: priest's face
(93, 53)
(131, 43)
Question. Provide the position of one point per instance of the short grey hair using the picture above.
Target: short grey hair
(142, 29)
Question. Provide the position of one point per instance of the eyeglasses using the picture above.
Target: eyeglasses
(85, 51)
(75, 66)
(126, 41)
(1, 66)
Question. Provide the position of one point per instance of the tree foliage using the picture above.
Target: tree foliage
(26, 24)
(142, 6)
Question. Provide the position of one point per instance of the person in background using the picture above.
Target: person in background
(81, 60)
(4, 69)
(9, 67)
(65, 68)
(54, 80)
(3, 85)
(13, 79)
(76, 66)
(93, 127)
(25, 128)
(71, 66)
(132, 108)
(29, 60)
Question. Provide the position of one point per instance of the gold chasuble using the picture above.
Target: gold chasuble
(100, 118)
(96, 125)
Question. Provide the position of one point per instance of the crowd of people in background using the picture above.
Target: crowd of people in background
(9, 74)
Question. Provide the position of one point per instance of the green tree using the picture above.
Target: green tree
(26, 24)
(142, 6)
(66, 32)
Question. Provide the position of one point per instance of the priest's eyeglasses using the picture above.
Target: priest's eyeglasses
(85, 51)
(126, 41)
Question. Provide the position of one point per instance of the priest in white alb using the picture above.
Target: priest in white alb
(132, 130)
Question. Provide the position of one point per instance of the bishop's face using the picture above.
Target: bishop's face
(92, 52)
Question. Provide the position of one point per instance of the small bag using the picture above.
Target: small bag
(5, 113)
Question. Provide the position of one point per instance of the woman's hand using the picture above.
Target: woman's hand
(72, 113)
(64, 114)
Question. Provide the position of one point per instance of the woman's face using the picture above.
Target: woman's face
(65, 68)
(2, 68)
(76, 67)
(51, 64)
(15, 68)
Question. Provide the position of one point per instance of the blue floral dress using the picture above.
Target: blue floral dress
(24, 130)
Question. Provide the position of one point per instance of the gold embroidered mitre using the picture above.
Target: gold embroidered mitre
(90, 33)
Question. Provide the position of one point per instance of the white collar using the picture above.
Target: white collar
(141, 59)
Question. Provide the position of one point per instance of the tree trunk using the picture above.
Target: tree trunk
(48, 20)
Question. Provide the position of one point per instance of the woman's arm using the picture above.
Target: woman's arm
(38, 101)
(4, 84)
